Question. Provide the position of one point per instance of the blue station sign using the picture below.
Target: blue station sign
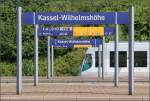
(84, 18)
(75, 43)
(109, 31)
(68, 31)
(55, 31)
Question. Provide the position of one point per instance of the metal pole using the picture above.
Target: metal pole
(103, 58)
(19, 52)
(52, 61)
(36, 56)
(116, 54)
(149, 65)
(48, 58)
(99, 60)
(131, 50)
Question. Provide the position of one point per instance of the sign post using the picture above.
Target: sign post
(116, 54)
(48, 58)
(131, 51)
(149, 61)
(19, 52)
(52, 61)
(36, 56)
(103, 58)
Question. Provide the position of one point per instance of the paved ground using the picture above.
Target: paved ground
(86, 91)
(73, 79)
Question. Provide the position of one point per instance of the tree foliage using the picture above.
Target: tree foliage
(8, 20)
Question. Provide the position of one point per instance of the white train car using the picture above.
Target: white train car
(141, 63)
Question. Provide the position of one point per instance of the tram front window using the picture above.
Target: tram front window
(87, 62)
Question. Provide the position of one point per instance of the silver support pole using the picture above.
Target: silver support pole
(52, 61)
(99, 60)
(36, 56)
(103, 58)
(19, 52)
(81, 70)
(48, 58)
(131, 50)
(116, 54)
(149, 64)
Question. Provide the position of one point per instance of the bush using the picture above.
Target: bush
(69, 64)
(7, 69)
(66, 65)
(42, 66)
(27, 67)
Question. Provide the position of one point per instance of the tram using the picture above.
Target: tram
(90, 64)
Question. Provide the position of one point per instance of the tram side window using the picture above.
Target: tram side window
(140, 59)
(96, 59)
(87, 62)
(122, 59)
